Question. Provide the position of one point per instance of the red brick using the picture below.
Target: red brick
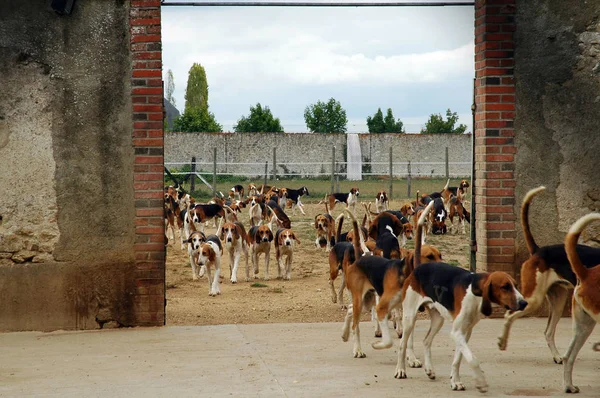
(147, 73)
(507, 115)
(500, 259)
(498, 89)
(148, 125)
(500, 192)
(501, 242)
(157, 168)
(145, 38)
(498, 209)
(148, 212)
(499, 37)
(146, 91)
(147, 108)
(150, 230)
(148, 195)
(144, 21)
(141, 221)
(153, 142)
(509, 149)
(492, 107)
(149, 247)
(500, 174)
(496, 124)
(155, 133)
(147, 55)
(155, 116)
(148, 159)
(145, 3)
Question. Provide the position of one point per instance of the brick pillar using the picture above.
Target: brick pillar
(148, 143)
(494, 134)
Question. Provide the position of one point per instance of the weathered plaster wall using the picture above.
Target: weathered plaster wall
(316, 148)
(557, 71)
(67, 232)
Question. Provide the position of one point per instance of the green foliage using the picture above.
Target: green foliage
(260, 120)
(196, 92)
(197, 120)
(437, 125)
(379, 124)
(327, 117)
(170, 89)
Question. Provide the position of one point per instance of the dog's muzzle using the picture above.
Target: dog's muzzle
(229, 240)
(288, 243)
(522, 304)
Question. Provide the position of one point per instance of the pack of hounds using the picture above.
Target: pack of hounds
(392, 282)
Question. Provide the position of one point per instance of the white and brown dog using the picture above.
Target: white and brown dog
(455, 294)
(546, 276)
(350, 199)
(209, 258)
(325, 227)
(260, 243)
(382, 202)
(586, 299)
(285, 240)
(195, 242)
(236, 243)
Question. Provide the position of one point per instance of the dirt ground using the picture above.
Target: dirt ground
(305, 298)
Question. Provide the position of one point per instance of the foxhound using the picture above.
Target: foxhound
(260, 243)
(236, 242)
(285, 240)
(546, 274)
(381, 201)
(294, 196)
(350, 199)
(195, 242)
(586, 299)
(237, 191)
(210, 257)
(438, 217)
(455, 294)
(325, 226)
(456, 209)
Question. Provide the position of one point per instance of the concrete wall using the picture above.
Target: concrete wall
(67, 233)
(316, 148)
(557, 73)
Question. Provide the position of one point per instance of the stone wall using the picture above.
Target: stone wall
(67, 231)
(557, 54)
(316, 149)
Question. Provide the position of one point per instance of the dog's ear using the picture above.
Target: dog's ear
(270, 234)
(373, 231)
(481, 288)
(316, 223)
(189, 240)
(398, 227)
(295, 237)
(222, 234)
(237, 232)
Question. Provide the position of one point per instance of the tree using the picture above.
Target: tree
(170, 87)
(196, 92)
(379, 124)
(327, 117)
(437, 125)
(197, 120)
(260, 120)
(392, 125)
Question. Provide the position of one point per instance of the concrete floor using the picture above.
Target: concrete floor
(276, 360)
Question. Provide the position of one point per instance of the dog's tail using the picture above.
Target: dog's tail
(360, 247)
(571, 244)
(420, 223)
(531, 245)
(327, 208)
(274, 218)
(446, 186)
(418, 202)
(339, 221)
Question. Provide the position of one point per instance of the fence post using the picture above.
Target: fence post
(332, 169)
(337, 177)
(193, 175)
(214, 172)
(391, 195)
(408, 181)
(274, 163)
(447, 164)
(266, 173)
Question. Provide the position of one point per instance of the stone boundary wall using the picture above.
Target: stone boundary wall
(254, 149)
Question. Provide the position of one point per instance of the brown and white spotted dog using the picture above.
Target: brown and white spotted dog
(460, 192)
(546, 275)
(457, 210)
(586, 298)
(350, 199)
(294, 199)
(325, 227)
(285, 241)
(454, 294)
(195, 242)
(252, 190)
(206, 212)
(209, 259)
(235, 240)
(260, 238)
(382, 202)
(237, 191)
(283, 221)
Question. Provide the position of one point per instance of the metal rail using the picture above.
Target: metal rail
(315, 4)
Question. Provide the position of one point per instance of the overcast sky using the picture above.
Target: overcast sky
(417, 61)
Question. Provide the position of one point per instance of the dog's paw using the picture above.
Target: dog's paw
(344, 307)
(572, 389)
(380, 345)
(502, 343)
(413, 362)
(457, 386)
(233, 280)
(430, 373)
(481, 385)
(378, 333)
(194, 277)
(359, 354)
(400, 374)
(558, 360)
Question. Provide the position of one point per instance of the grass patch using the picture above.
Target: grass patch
(277, 290)
(454, 262)
(258, 284)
